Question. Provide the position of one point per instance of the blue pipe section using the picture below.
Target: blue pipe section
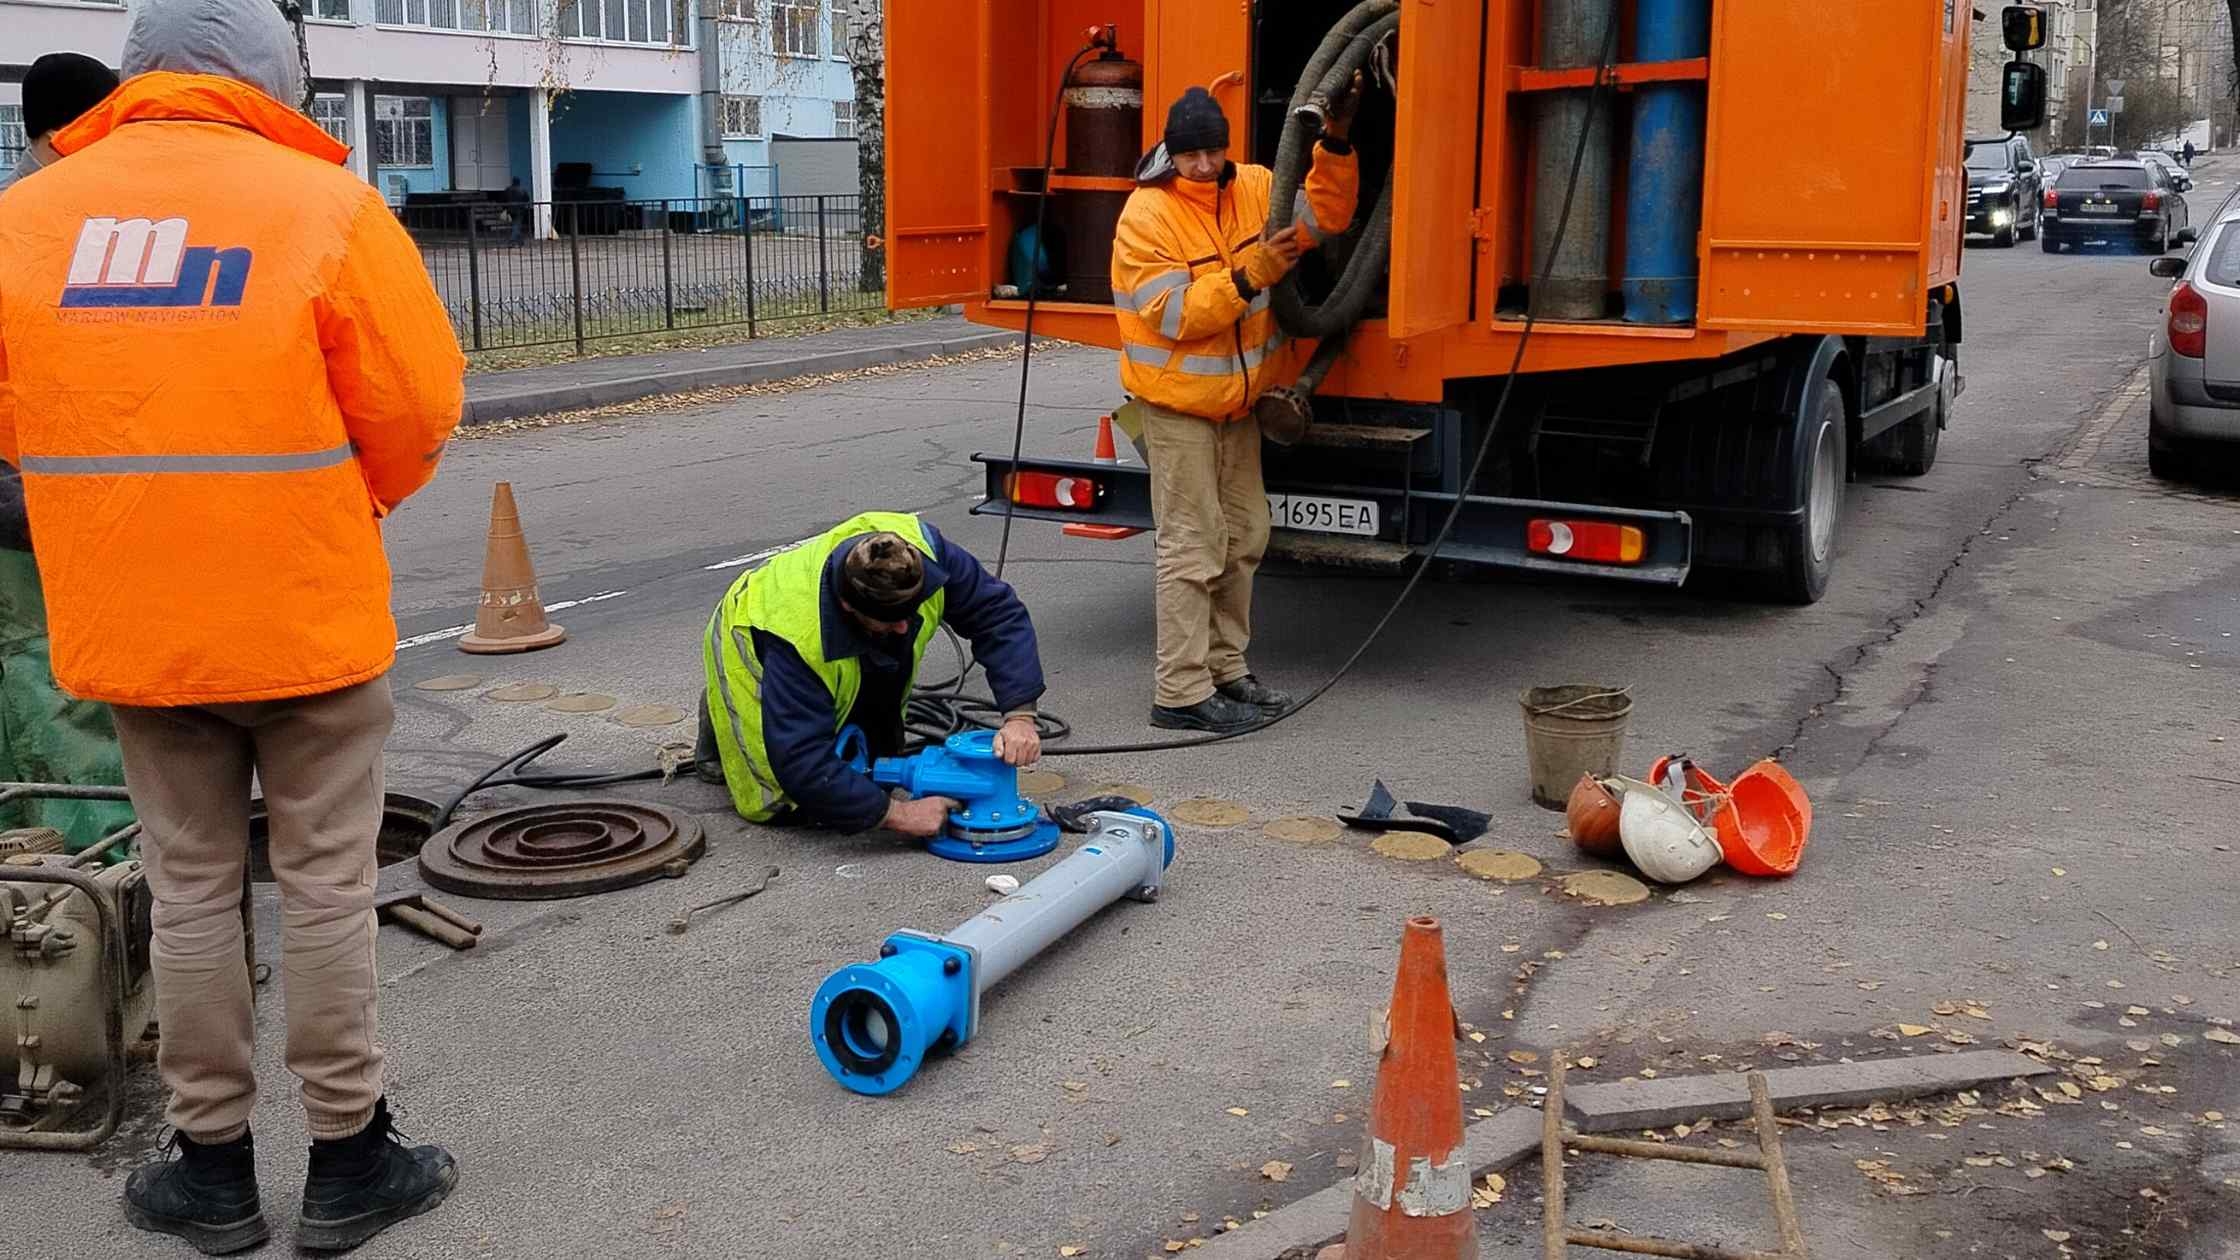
(874, 1024)
(1664, 177)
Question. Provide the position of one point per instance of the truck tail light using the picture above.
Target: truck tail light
(1053, 490)
(1596, 542)
(2152, 201)
(2189, 321)
(2053, 200)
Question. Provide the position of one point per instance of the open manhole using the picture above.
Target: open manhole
(406, 824)
(570, 849)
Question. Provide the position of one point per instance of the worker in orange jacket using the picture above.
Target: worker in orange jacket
(221, 363)
(1191, 270)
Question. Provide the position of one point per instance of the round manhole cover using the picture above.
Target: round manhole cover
(574, 849)
(406, 822)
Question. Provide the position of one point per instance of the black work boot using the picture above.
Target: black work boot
(363, 1184)
(1250, 690)
(1216, 713)
(208, 1196)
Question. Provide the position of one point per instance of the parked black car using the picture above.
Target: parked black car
(2122, 203)
(2003, 189)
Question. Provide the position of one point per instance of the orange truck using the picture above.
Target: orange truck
(1698, 412)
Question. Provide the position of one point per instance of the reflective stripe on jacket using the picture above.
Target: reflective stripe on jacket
(785, 598)
(1190, 341)
(221, 362)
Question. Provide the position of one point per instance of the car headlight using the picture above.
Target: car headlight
(1998, 190)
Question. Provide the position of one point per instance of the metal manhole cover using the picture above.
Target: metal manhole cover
(535, 852)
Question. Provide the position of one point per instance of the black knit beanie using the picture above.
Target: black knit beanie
(61, 86)
(1196, 122)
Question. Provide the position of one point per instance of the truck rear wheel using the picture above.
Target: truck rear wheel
(1808, 543)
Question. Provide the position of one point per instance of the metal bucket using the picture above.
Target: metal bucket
(1571, 730)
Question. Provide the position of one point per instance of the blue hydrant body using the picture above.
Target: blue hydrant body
(992, 822)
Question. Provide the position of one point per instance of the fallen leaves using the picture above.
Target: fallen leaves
(1239, 1111)
(1071, 1249)
(2223, 1036)
(2056, 1235)
(1341, 1083)
(1523, 1056)
(963, 1148)
(1914, 1030)
(1488, 1192)
(1276, 1170)
(1034, 1154)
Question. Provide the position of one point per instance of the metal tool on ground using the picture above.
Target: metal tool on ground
(1555, 1136)
(683, 921)
(400, 899)
(570, 849)
(1451, 823)
(511, 616)
(1411, 1193)
(76, 981)
(992, 822)
(873, 1024)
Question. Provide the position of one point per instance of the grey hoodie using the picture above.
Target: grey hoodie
(245, 40)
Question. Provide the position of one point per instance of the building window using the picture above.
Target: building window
(12, 139)
(626, 21)
(794, 27)
(742, 117)
(839, 30)
(404, 131)
(331, 10)
(332, 113)
(737, 10)
(844, 119)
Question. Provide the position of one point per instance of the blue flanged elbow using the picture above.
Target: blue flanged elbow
(875, 1023)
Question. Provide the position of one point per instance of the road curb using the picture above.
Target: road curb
(1492, 1145)
(516, 404)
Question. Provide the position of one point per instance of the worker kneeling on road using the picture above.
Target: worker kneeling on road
(830, 635)
(1190, 278)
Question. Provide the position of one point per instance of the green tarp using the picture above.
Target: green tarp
(45, 736)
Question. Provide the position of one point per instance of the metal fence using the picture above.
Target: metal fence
(618, 268)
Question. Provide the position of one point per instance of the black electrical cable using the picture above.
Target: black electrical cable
(512, 772)
(1034, 279)
(1600, 91)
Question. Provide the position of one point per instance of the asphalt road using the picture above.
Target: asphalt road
(2013, 711)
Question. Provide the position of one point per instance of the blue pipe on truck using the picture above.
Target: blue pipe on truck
(1664, 175)
(873, 1024)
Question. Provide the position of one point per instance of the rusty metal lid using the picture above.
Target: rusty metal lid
(570, 849)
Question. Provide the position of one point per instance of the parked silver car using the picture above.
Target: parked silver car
(2193, 356)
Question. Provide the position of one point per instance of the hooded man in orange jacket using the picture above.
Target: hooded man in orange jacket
(221, 363)
(1190, 278)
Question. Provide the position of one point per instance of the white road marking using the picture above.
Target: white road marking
(740, 562)
(453, 632)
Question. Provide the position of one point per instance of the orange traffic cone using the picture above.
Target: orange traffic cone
(1107, 453)
(1411, 1197)
(511, 617)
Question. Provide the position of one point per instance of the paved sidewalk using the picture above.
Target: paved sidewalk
(604, 382)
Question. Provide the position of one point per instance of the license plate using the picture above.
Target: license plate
(1319, 515)
(2100, 207)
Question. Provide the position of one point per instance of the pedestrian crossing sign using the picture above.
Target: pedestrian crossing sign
(2099, 118)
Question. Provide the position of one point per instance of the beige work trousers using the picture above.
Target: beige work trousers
(318, 760)
(1212, 511)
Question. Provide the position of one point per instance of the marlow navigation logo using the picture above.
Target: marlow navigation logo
(141, 263)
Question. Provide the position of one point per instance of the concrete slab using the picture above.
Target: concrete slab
(1680, 1100)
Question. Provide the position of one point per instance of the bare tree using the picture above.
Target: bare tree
(867, 57)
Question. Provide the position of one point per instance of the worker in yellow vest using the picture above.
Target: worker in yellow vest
(830, 635)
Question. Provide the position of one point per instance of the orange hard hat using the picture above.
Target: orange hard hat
(1592, 815)
(1699, 790)
(1763, 826)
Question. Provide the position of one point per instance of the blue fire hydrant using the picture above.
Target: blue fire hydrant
(992, 822)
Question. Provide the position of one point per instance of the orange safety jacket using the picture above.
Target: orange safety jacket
(1190, 341)
(221, 362)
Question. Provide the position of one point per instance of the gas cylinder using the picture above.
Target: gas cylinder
(1104, 118)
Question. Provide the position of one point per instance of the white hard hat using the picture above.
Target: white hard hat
(1663, 839)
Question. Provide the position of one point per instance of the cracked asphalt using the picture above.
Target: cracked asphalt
(2014, 712)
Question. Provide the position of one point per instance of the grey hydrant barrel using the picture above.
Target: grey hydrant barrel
(1123, 859)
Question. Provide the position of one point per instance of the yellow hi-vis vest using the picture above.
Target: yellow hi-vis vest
(785, 598)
